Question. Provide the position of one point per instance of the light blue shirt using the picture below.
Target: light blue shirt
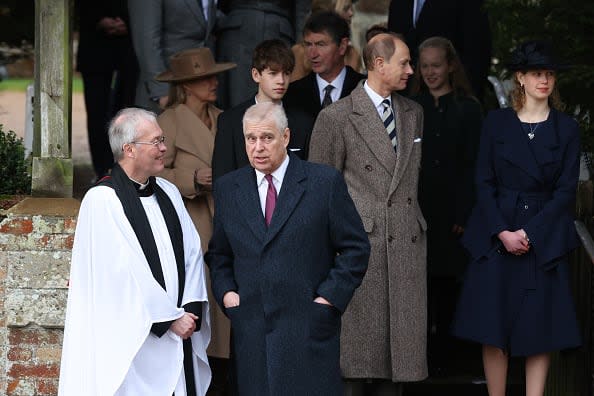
(417, 11)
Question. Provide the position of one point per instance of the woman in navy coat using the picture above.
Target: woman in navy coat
(516, 299)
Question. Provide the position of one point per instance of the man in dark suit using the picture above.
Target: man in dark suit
(161, 28)
(272, 64)
(287, 252)
(108, 68)
(462, 21)
(245, 24)
(326, 38)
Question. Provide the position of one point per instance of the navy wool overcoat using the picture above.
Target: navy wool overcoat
(284, 342)
(522, 304)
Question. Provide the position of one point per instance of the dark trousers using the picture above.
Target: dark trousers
(105, 94)
(372, 387)
(220, 384)
(442, 347)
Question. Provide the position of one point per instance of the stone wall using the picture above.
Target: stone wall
(36, 238)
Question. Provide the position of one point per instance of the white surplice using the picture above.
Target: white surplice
(114, 299)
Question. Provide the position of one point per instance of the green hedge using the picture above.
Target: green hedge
(15, 175)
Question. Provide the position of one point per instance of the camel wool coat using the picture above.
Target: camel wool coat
(384, 326)
(189, 147)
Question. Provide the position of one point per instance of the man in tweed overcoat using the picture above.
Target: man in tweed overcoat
(384, 328)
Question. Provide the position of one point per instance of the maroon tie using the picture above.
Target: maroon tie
(270, 200)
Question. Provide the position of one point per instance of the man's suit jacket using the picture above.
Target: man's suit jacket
(98, 52)
(161, 28)
(314, 246)
(304, 94)
(461, 21)
(384, 327)
(246, 24)
(229, 147)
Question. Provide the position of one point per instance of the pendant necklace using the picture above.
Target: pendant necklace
(533, 128)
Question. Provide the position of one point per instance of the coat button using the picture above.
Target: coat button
(414, 239)
(368, 168)
(390, 238)
(389, 203)
(409, 201)
(526, 207)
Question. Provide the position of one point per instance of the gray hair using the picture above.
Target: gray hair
(125, 127)
(266, 111)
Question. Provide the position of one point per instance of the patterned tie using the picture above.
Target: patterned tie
(389, 122)
(270, 200)
(327, 98)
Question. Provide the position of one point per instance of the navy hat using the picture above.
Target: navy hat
(534, 55)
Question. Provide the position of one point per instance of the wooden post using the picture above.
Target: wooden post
(52, 160)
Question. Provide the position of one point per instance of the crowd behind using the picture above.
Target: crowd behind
(456, 222)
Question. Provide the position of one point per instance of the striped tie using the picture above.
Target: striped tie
(389, 122)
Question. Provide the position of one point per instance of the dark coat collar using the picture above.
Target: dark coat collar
(288, 198)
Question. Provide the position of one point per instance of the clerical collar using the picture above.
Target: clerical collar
(143, 190)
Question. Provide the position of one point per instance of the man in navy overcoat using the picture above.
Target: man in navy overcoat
(287, 252)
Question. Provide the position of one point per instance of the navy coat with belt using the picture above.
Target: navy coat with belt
(285, 344)
(522, 303)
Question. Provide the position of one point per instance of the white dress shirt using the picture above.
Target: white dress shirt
(337, 83)
(277, 178)
(377, 99)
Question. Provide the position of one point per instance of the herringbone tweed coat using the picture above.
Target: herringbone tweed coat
(384, 327)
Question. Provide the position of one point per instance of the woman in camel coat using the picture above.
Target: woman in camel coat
(189, 124)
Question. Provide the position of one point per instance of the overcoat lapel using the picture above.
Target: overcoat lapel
(192, 133)
(246, 195)
(370, 127)
(212, 15)
(315, 91)
(406, 135)
(288, 198)
(517, 148)
(195, 7)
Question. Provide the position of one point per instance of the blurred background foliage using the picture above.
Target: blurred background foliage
(565, 23)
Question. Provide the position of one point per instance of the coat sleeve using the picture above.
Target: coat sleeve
(551, 231)
(351, 244)
(146, 28)
(326, 144)
(486, 180)
(223, 156)
(219, 256)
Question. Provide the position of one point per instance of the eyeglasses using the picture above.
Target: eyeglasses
(156, 142)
